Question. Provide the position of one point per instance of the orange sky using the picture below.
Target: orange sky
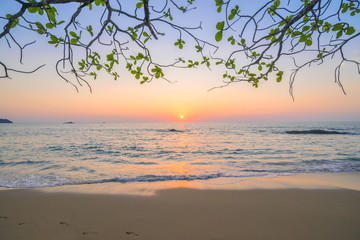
(45, 97)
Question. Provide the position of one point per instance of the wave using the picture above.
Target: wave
(28, 162)
(35, 181)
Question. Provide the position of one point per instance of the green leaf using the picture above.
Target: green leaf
(220, 25)
(277, 3)
(218, 36)
(73, 34)
(339, 34)
(54, 40)
(308, 42)
(305, 28)
(32, 9)
(337, 27)
(49, 26)
(51, 14)
(74, 41)
(303, 38)
(98, 2)
(139, 4)
(349, 31)
(39, 25)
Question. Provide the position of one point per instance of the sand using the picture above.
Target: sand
(177, 210)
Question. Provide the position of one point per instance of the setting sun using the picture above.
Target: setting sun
(181, 116)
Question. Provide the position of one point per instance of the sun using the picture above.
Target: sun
(181, 116)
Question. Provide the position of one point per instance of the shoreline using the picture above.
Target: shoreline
(305, 206)
(337, 180)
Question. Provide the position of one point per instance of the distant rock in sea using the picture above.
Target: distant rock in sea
(68, 122)
(174, 130)
(316, 131)
(5, 121)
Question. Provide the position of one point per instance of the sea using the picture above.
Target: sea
(47, 155)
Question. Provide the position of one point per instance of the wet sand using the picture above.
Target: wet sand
(306, 207)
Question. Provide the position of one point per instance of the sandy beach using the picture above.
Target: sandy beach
(315, 206)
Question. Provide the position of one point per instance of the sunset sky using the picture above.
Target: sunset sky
(45, 97)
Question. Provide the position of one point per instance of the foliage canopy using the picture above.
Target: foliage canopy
(98, 35)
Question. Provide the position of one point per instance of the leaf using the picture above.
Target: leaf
(337, 27)
(303, 38)
(51, 13)
(339, 34)
(39, 25)
(74, 41)
(218, 36)
(139, 4)
(98, 2)
(308, 42)
(305, 28)
(54, 40)
(32, 9)
(73, 34)
(40, 31)
(49, 26)
(350, 30)
(277, 3)
(220, 25)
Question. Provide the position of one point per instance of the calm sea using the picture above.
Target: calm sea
(38, 155)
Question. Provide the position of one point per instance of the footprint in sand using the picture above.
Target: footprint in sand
(3, 217)
(131, 234)
(89, 233)
(21, 223)
(64, 224)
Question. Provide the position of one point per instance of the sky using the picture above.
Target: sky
(44, 97)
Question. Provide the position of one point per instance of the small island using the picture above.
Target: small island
(68, 122)
(5, 120)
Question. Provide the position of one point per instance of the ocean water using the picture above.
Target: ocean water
(39, 155)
